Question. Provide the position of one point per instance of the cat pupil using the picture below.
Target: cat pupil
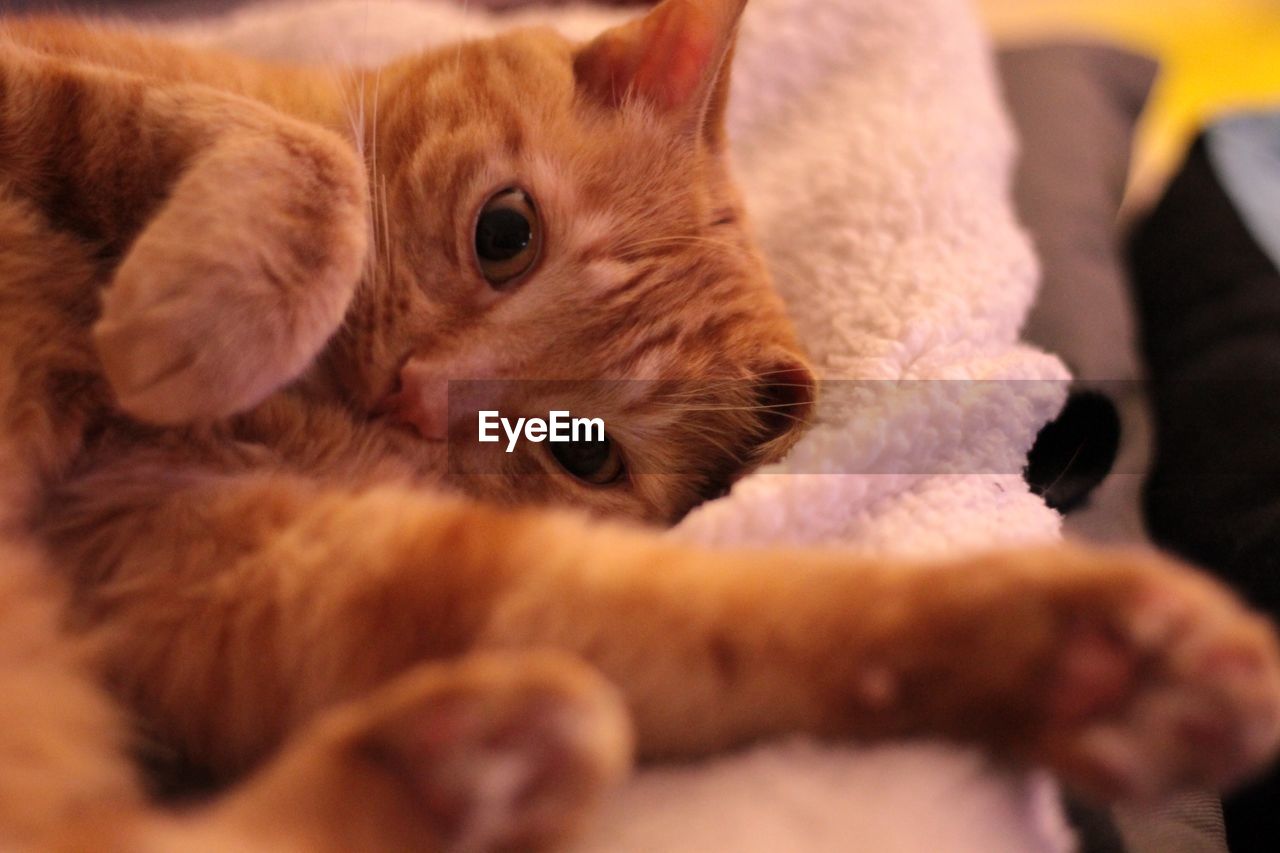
(508, 237)
(593, 461)
(502, 235)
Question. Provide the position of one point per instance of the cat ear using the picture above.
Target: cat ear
(713, 119)
(675, 59)
(786, 394)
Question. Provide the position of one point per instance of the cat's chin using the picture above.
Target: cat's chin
(412, 431)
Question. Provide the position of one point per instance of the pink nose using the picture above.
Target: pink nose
(421, 402)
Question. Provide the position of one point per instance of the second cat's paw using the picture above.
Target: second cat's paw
(1164, 682)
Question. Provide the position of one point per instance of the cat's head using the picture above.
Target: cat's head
(555, 211)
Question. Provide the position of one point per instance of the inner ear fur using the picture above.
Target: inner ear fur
(674, 60)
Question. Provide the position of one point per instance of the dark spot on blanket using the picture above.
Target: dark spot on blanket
(1074, 453)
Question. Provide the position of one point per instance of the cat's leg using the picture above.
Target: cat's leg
(492, 752)
(240, 233)
(250, 603)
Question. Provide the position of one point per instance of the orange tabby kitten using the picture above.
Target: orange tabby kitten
(225, 486)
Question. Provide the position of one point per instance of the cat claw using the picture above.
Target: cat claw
(1178, 689)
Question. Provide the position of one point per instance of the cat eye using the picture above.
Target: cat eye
(595, 462)
(508, 237)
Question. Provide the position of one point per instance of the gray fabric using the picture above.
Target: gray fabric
(1191, 823)
(1075, 106)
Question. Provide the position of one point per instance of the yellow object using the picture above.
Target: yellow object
(1216, 56)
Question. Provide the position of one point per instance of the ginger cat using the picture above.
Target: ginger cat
(233, 294)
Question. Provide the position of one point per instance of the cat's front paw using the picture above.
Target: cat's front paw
(232, 290)
(516, 753)
(1161, 682)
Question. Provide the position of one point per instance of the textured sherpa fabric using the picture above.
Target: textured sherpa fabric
(876, 162)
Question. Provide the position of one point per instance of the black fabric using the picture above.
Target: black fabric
(1209, 304)
(1094, 828)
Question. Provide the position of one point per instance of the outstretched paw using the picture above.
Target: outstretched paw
(1162, 682)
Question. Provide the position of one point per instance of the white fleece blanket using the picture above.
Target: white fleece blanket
(876, 162)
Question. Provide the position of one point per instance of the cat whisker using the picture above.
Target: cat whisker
(716, 439)
(379, 185)
(681, 240)
(457, 56)
(698, 389)
(751, 408)
(708, 390)
(694, 236)
(386, 229)
(776, 411)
